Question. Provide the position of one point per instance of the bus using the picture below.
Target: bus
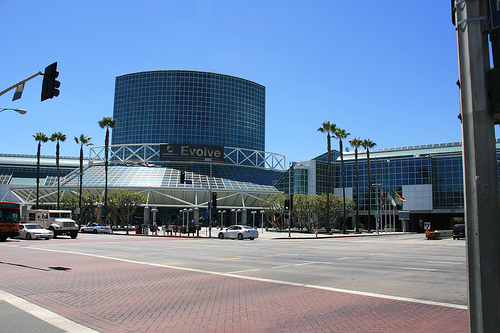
(10, 214)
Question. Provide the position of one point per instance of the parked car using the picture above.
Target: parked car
(33, 231)
(96, 228)
(240, 232)
(458, 231)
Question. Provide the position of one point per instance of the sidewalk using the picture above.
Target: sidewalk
(269, 234)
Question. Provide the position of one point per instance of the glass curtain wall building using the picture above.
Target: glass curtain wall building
(428, 177)
(180, 106)
(208, 128)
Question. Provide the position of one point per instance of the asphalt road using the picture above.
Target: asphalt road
(407, 266)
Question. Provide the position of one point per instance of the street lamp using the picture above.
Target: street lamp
(183, 215)
(262, 219)
(20, 111)
(253, 212)
(221, 212)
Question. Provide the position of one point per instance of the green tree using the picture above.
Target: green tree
(329, 129)
(301, 210)
(367, 144)
(340, 134)
(83, 140)
(68, 201)
(123, 205)
(40, 137)
(275, 210)
(106, 122)
(356, 142)
(58, 137)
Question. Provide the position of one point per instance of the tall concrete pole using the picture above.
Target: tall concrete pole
(482, 203)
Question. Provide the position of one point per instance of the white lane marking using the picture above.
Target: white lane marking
(444, 262)
(244, 271)
(421, 269)
(48, 316)
(354, 292)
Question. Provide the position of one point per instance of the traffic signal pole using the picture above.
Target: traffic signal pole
(19, 83)
(482, 203)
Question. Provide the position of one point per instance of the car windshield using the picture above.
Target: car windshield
(246, 227)
(32, 226)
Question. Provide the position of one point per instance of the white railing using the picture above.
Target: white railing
(150, 154)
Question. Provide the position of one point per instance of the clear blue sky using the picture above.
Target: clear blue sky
(384, 70)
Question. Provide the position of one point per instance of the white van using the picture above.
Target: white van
(58, 221)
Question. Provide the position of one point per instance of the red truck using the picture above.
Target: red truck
(10, 213)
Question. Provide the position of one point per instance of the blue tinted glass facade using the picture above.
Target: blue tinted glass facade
(189, 107)
(429, 177)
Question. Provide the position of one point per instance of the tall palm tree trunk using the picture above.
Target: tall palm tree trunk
(81, 183)
(357, 187)
(106, 144)
(344, 225)
(369, 189)
(58, 178)
(38, 173)
(329, 180)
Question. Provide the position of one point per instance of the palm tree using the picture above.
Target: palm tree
(356, 142)
(58, 136)
(82, 140)
(367, 144)
(106, 122)
(340, 134)
(328, 128)
(40, 137)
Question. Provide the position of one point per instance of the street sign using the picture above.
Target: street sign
(495, 14)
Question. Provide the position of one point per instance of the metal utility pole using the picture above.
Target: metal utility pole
(482, 203)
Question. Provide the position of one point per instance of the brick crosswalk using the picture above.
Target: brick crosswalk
(117, 296)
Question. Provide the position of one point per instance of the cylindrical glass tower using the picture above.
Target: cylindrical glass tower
(189, 107)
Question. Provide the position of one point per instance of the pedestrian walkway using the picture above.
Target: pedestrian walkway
(268, 234)
(113, 295)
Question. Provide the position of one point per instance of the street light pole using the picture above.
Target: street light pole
(221, 212)
(20, 111)
(480, 166)
(262, 219)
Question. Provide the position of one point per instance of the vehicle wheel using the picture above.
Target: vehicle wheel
(251, 238)
(240, 236)
(221, 235)
(454, 238)
(3, 239)
(54, 232)
(47, 238)
(74, 235)
(95, 231)
(28, 236)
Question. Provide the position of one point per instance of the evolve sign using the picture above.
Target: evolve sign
(185, 152)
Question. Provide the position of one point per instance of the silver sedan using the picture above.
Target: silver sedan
(240, 232)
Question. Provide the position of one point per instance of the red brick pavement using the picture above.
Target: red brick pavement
(116, 296)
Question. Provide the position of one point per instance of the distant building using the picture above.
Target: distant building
(208, 126)
(189, 107)
(428, 177)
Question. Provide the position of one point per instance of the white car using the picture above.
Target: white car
(97, 228)
(240, 232)
(33, 231)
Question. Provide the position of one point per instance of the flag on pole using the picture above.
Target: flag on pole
(397, 197)
(392, 200)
